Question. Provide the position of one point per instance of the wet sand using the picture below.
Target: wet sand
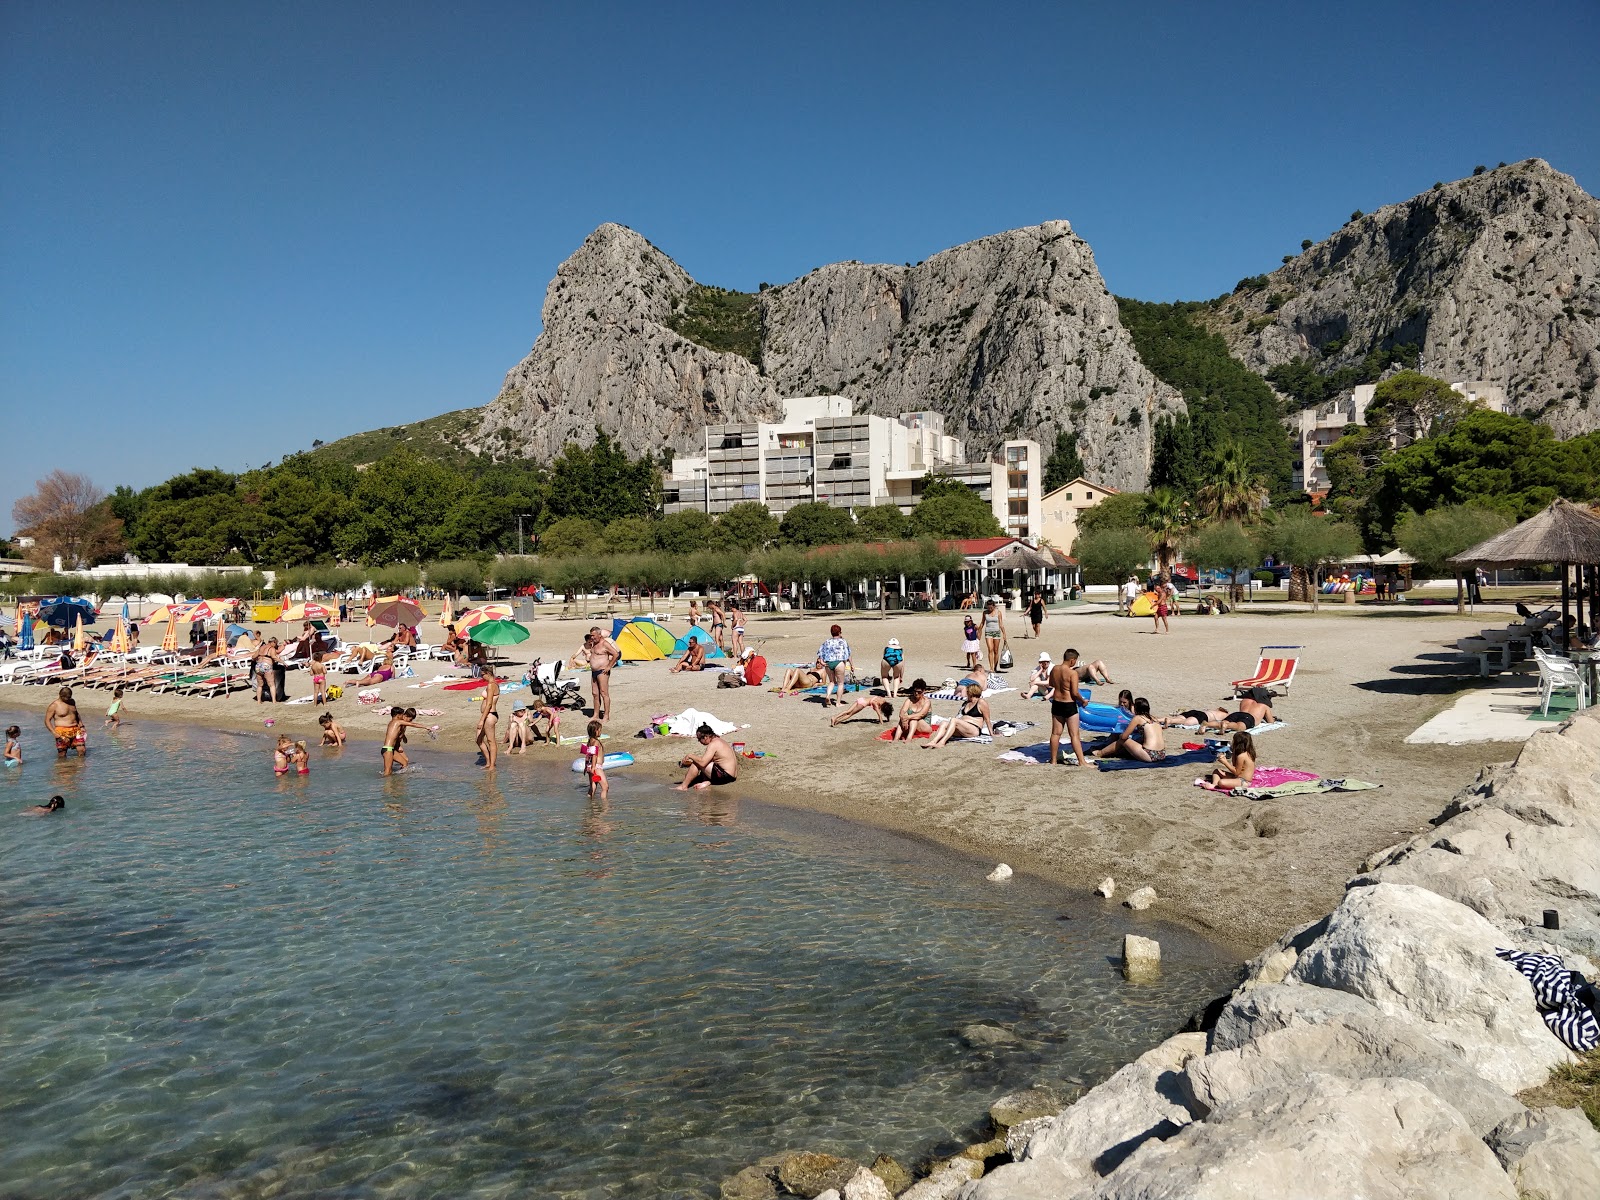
(1368, 677)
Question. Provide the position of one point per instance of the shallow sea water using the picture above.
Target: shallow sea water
(214, 983)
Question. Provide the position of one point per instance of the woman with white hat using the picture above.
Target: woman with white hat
(893, 669)
(1039, 681)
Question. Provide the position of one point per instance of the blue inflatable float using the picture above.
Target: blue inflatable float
(621, 759)
(1102, 718)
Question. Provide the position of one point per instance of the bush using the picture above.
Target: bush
(1266, 578)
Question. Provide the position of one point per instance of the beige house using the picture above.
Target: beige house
(1058, 525)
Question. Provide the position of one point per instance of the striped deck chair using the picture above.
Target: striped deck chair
(1273, 673)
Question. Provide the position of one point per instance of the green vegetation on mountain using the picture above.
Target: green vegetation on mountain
(438, 439)
(721, 320)
(1308, 385)
(1228, 403)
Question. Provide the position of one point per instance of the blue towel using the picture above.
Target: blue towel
(1185, 758)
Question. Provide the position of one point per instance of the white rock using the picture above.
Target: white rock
(864, 1185)
(1141, 899)
(830, 1194)
(1019, 1135)
(1141, 957)
(1414, 954)
(945, 1180)
(999, 873)
(1322, 1138)
(1553, 1154)
(1107, 888)
(1350, 1046)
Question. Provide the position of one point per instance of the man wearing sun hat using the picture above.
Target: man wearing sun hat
(893, 669)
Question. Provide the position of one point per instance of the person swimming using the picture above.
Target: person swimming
(56, 804)
(13, 751)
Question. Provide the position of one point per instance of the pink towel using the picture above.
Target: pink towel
(1273, 776)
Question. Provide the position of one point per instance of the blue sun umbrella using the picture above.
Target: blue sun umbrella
(64, 613)
(26, 636)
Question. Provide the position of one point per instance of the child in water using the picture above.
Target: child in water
(114, 713)
(332, 732)
(301, 758)
(13, 754)
(596, 754)
(280, 755)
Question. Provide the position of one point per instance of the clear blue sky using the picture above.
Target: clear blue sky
(229, 229)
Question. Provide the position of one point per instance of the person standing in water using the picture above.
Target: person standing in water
(595, 752)
(488, 718)
(13, 752)
(64, 724)
(114, 713)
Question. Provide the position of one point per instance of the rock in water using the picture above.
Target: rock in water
(1141, 957)
(1039, 1101)
(1494, 278)
(895, 1176)
(1013, 335)
(945, 1181)
(1107, 888)
(999, 873)
(983, 1035)
(865, 1185)
(807, 1173)
(1141, 899)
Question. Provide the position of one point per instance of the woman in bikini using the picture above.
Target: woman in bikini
(971, 720)
(1238, 768)
(736, 622)
(994, 632)
(718, 620)
(1143, 739)
(914, 712)
(488, 717)
(798, 679)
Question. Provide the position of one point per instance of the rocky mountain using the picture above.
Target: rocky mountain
(1495, 277)
(1012, 335)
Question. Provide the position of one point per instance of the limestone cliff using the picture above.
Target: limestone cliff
(1494, 277)
(607, 357)
(1009, 336)
(1012, 335)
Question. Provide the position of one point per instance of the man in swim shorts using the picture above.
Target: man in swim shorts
(719, 764)
(1065, 700)
(599, 654)
(64, 724)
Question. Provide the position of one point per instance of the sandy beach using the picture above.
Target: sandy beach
(1240, 871)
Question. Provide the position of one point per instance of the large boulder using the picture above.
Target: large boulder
(1351, 1046)
(1321, 1138)
(1553, 1154)
(807, 1173)
(1420, 957)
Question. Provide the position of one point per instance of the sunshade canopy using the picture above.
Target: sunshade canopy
(396, 611)
(499, 633)
(64, 613)
(1563, 533)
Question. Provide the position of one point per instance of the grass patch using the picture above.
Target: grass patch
(1571, 1085)
(720, 320)
(437, 439)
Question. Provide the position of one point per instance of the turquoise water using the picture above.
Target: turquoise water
(214, 983)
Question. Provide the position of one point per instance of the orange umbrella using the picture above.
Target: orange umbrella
(80, 640)
(170, 641)
(119, 641)
(309, 611)
(487, 612)
(446, 614)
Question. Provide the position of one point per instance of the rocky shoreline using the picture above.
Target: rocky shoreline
(1383, 1050)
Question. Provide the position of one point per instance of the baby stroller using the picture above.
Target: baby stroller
(544, 683)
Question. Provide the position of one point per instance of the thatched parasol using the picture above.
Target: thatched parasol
(1563, 533)
(1025, 558)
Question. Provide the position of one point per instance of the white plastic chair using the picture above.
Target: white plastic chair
(1560, 675)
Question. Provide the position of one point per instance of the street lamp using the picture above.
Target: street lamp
(519, 529)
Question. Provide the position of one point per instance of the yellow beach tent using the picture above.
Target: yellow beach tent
(1144, 606)
(637, 644)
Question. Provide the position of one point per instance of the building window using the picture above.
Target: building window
(841, 462)
(1068, 496)
(732, 441)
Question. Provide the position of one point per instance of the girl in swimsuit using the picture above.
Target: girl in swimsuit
(1238, 768)
(301, 759)
(487, 719)
(13, 753)
(280, 756)
(969, 641)
(971, 720)
(596, 754)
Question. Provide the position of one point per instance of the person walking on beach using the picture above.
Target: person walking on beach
(599, 654)
(1065, 700)
(893, 668)
(969, 640)
(834, 655)
(719, 764)
(994, 632)
(114, 713)
(1036, 612)
(1130, 593)
(1159, 614)
(736, 623)
(488, 717)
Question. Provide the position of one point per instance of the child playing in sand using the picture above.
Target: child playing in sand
(332, 732)
(13, 752)
(319, 677)
(280, 755)
(1238, 768)
(550, 714)
(596, 754)
(114, 713)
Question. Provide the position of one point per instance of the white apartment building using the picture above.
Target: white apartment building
(1315, 429)
(823, 450)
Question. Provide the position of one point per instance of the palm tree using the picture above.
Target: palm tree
(1165, 516)
(1234, 492)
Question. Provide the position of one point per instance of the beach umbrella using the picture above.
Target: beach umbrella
(158, 615)
(119, 640)
(310, 610)
(447, 613)
(80, 642)
(26, 636)
(63, 612)
(486, 612)
(170, 641)
(394, 610)
(206, 610)
(499, 633)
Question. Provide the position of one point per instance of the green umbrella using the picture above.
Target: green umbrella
(499, 633)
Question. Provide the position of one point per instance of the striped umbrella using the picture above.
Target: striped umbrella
(310, 610)
(447, 613)
(394, 610)
(119, 640)
(483, 613)
(170, 641)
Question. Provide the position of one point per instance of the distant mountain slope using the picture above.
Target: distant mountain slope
(1494, 277)
(445, 438)
(1011, 335)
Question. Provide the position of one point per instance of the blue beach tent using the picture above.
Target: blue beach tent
(695, 634)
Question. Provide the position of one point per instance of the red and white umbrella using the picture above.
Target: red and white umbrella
(487, 612)
(394, 610)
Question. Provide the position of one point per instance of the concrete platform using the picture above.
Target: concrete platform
(1491, 714)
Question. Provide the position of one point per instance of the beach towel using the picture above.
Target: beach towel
(1565, 999)
(955, 694)
(1306, 787)
(888, 735)
(1184, 758)
(1263, 727)
(1037, 754)
(690, 719)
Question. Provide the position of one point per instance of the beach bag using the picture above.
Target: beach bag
(1006, 659)
(334, 691)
